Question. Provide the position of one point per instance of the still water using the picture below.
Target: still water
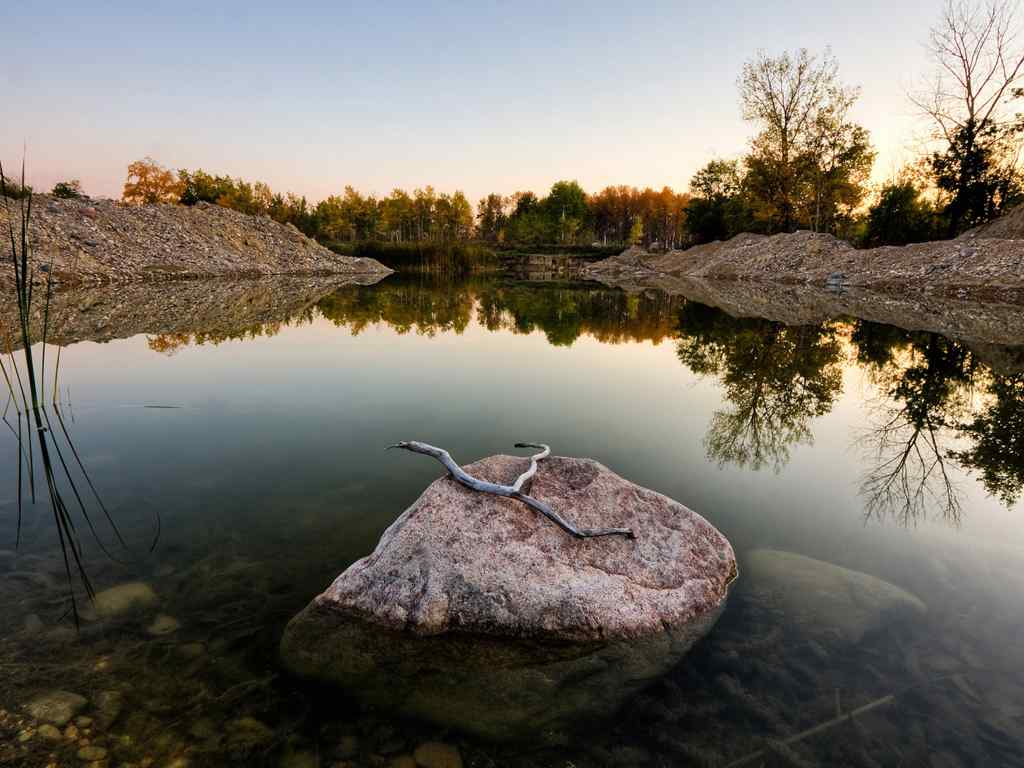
(235, 434)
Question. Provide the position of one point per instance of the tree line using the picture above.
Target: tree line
(807, 166)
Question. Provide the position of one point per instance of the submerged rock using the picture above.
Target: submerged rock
(56, 707)
(475, 612)
(162, 625)
(124, 598)
(823, 599)
(435, 754)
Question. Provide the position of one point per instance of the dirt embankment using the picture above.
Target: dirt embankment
(986, 263)
(101, 241)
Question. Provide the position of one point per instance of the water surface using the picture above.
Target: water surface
(247, 432)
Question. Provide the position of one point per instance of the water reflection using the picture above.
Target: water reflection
(775, 378)
(270, 487)
(938, 409)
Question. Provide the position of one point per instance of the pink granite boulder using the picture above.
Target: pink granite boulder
(475, 612)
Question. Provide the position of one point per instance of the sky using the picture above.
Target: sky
(478, 96)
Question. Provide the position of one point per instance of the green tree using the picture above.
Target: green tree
(718, 208)
(69, 190)
(978, 175)
(900, 216)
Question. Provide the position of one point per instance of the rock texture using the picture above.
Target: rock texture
(101, 241)
(475, 612)
(826, 600)
(975, 264)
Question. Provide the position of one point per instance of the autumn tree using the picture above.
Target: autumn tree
(808, 162)
(149, 182)
(782, 95)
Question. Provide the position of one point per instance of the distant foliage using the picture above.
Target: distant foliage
(69, 190)
(149, 182)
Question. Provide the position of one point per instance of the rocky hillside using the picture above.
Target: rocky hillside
(101, 241)
(980, 263)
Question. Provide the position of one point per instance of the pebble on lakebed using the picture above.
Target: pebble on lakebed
(475, 612)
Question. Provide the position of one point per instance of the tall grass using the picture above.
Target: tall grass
(59, 460)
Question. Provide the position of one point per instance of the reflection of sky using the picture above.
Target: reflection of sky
(483, 97)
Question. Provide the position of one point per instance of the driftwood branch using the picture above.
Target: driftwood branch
(514, 491)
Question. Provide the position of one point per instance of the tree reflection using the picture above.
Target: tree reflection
(565, 312)
(776, 379)
(997, 439)
(925, 383)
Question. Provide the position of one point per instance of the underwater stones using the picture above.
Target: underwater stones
(434, 754)
(92, 753)
(162, 625)
(246, 735)
(56, 707)
(475, 612)
(50, 732)
(124, 599)
(108, 706)
(826, 600)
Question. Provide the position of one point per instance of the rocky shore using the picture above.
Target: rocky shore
(986, 263)
(102, 241)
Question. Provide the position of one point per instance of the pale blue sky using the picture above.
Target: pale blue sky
(475, 96)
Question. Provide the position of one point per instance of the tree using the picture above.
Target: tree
(69, 190)
(978, 174)
(491, 217)
(149, 182)
(839, 156)
(719, 208)
(978, 64)
(900, 216)
(200, 186)
(783, 96)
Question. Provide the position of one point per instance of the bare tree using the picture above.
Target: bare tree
(978, 62)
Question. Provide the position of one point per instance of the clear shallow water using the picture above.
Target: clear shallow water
(879, 450)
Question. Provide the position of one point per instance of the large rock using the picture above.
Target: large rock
(475, 612)
(826, 600)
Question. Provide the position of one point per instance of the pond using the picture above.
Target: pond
(235, 435)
